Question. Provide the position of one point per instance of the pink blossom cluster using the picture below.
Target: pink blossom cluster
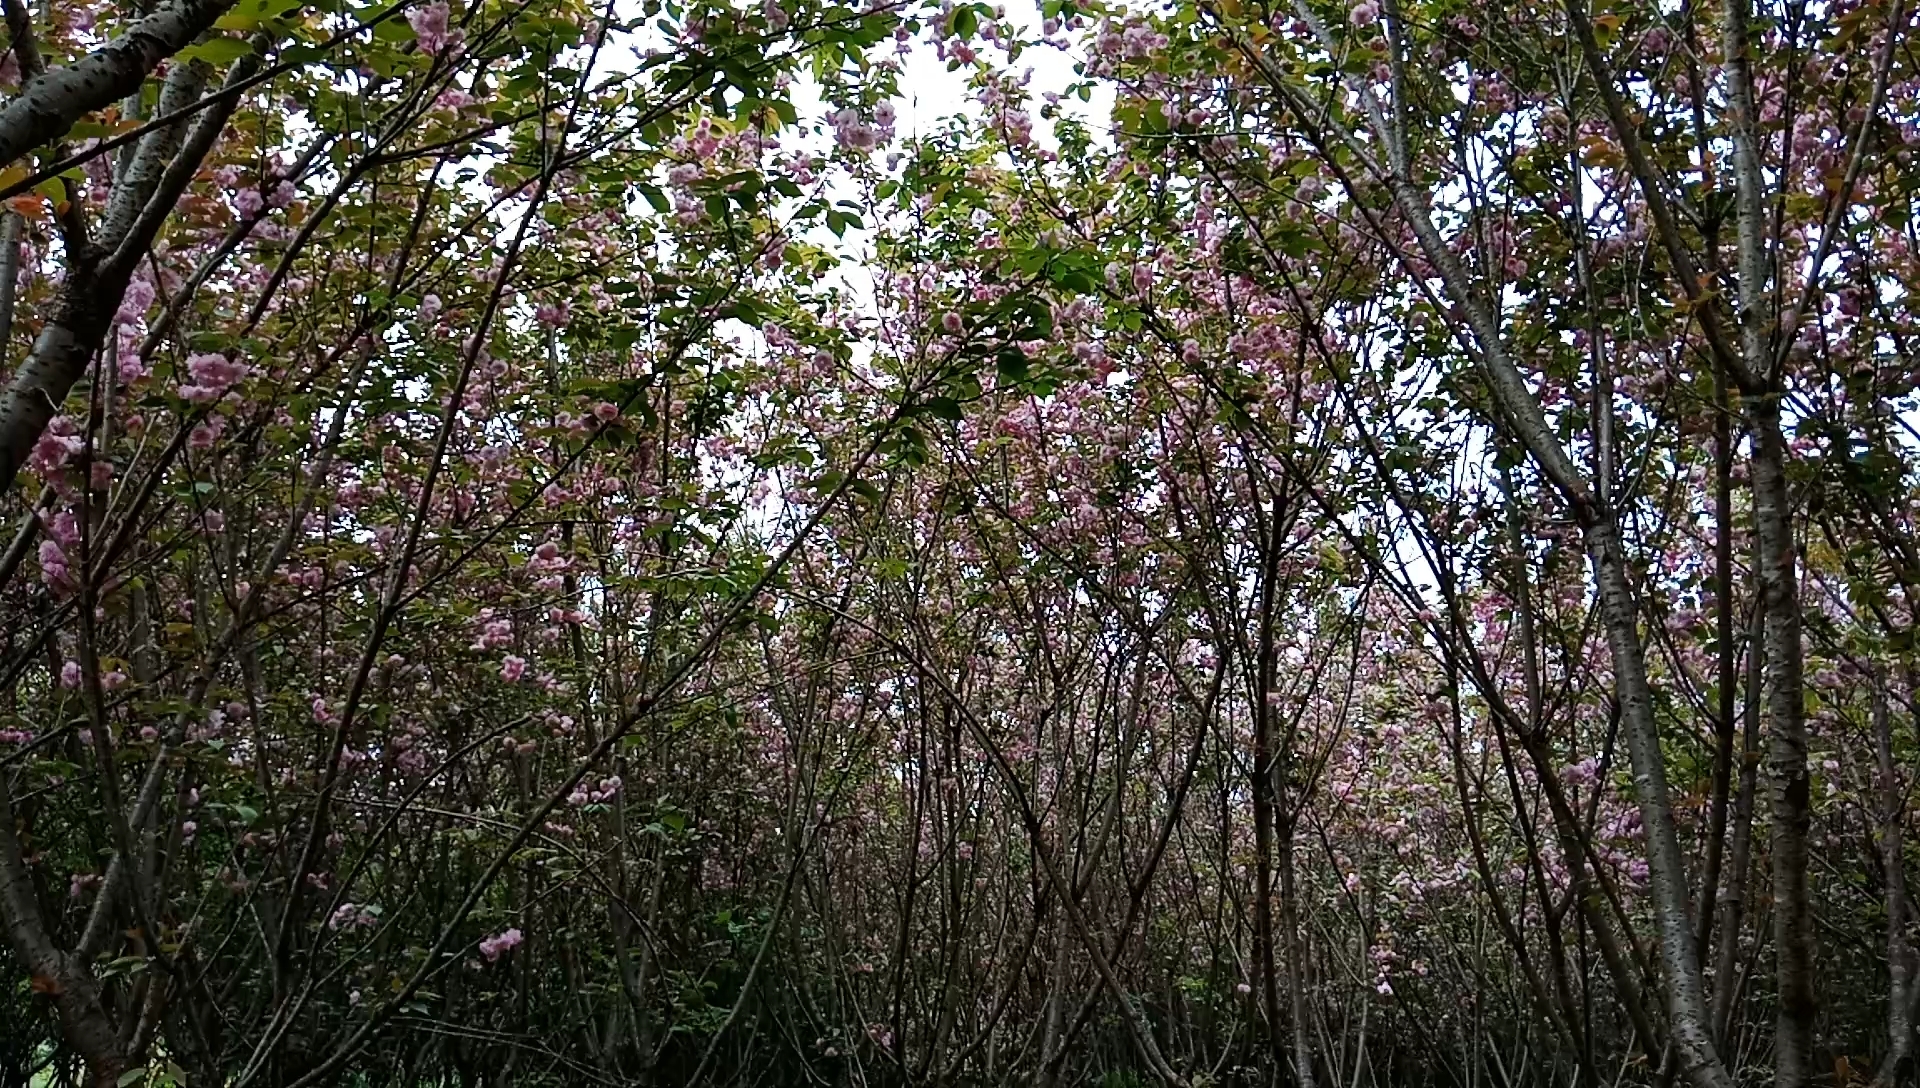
(430, 28)
(495, 634)
(506, 941)
(353, 916)
(1135, 41)
(62, 537)
(552, 315)
(211, 376)
(206, 434)
(251, 202)
(856, 133)
(1584, 773)
(57, 446)
(606, 790)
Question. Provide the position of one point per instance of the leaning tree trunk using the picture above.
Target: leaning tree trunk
(97, 274)
(164, 163)
(49, 104)
(1515, 410)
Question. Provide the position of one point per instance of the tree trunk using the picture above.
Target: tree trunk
(1692, 1034)
(97, 277)
(1898, 1063)
(1263, 764)
(1726, 968)
(47, 107)
(1296, 961)
(1727, 706)
(59, 357)
(1788, 789)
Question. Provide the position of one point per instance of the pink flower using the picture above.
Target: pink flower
(429, 25)
(493, 946)
(850, 132)
(52, 559)
(53, 567)
(134, 304)
(353, 915)
(206, 434)
(212, 375)
(513, 668)
(57, 445)
(70, 675)
(1584, 773)
(1019, 127)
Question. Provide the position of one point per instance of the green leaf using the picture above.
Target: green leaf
(216, 52)
(1034, 318)
(656, 198)
(393, 30)
(1013, 364)
(943, 408)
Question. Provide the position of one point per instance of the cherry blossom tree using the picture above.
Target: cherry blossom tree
(557, 543)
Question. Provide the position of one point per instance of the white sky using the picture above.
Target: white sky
(932, 92)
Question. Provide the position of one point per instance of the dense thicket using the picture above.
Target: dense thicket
(569, 545)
